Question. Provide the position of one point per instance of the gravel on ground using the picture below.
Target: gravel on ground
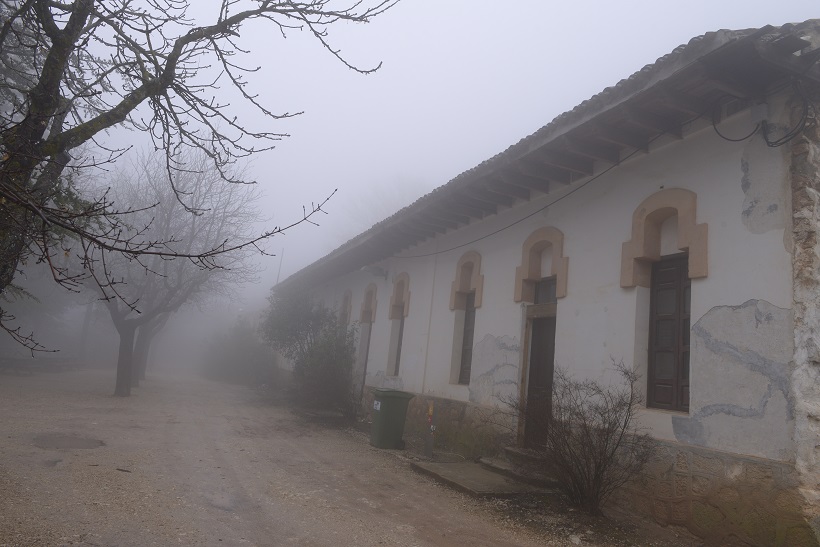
(186, 461)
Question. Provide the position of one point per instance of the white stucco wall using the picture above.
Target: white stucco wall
(740, 311)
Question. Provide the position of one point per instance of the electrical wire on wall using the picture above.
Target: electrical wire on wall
(716, 110)
(765, 126)
(798, 128)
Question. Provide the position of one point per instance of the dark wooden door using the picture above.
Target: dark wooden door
(539, 384)
(363, 354)
(467, 340)
(669, 335)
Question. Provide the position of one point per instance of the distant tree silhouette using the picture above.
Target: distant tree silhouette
(140, 292)
(70, 71)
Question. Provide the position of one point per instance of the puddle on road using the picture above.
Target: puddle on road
(61, 441)
(222, 500)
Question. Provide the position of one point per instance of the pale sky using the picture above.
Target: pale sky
(461, 81)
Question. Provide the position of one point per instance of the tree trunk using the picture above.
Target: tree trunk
(148, 353)
(125, 360)
(142, 347)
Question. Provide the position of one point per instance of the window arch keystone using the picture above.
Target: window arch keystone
(529, 272)
(644, 248)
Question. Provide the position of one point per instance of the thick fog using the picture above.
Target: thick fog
(459, 82)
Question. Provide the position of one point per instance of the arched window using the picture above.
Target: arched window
(644, 248)
(368, 313)
(465, 297)
(544, 248)
(540, 280)
(468, 279)
(663, 225)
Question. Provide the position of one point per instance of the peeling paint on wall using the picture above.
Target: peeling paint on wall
(495, 361)
(764, 181)
(741, 392)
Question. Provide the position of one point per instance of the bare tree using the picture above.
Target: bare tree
(142, 346)
(589, 440)
(140, 292)
(72, 70)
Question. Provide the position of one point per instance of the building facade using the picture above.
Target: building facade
(670, 223)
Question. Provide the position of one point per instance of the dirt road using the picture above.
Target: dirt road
(190, 462)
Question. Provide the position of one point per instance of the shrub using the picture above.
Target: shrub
(321, 347)
(324, 373)
(239, 356)
(592, 444)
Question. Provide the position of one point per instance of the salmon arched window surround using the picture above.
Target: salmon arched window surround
(468, 278)
(368, 313)
(644, 248)
(529, 273)
(400, 300)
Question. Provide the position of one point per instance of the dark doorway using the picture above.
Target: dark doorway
(539, 382)
(361, 358)
(668, 382)
(467, 340)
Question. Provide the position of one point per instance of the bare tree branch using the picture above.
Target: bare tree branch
(71, 70)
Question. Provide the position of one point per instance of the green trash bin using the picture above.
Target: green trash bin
(389, 413)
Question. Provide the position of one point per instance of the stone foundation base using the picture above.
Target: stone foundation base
(724, 498)
(462, 428)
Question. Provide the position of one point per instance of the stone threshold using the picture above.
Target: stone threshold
(478, 480)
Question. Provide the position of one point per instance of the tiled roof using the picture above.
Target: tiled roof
(680, 59)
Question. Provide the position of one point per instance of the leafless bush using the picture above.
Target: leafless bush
(590, 444)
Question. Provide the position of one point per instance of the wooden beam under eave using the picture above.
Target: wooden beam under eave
(652, 122)
(364, 255)
(719, 79)
(438, 220)
(410, 241)
(442, 212)
(683, 102)
(544, 172)
(487, 205)
(396, 238)
(805, 64)
(565, 161)
(463, 208)
(493, 197)
(413, 227)
(395, 241)
(622, 137)
(428, 224)
(500, 185)
(525, 182)
(595, 151)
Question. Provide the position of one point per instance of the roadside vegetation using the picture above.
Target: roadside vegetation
(239, 356)
(319, 345)
(590, 442)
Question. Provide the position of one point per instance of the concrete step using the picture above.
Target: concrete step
(477, 480)
(523, 457)
(529, 464)
(508, 469)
